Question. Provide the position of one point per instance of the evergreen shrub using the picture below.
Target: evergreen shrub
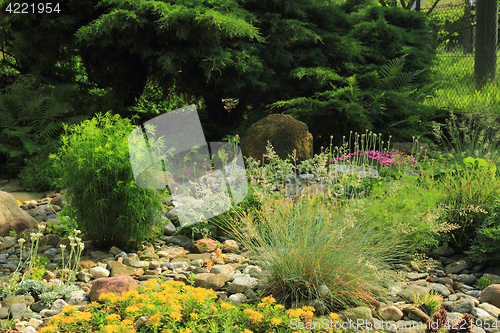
(109, 206)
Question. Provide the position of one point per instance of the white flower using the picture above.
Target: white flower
(72, 244)
(82, 246)
(41, 227)
(77, 231)
(77, 239)
(71, 238)
(62, 246)
(21, 241)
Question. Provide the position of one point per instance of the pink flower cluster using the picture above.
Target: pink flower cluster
(386, 158)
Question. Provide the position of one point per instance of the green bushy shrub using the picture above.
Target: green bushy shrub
(38, 175)
(486, 246)
(95, 162)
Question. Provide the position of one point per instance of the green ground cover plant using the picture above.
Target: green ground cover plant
(408, 210)
(103, 196)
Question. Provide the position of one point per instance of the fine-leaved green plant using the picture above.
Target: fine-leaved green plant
(483, 282)
(467, 190)
(110, 207)
(486, 245)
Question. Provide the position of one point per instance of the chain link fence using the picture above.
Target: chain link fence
(454, 28)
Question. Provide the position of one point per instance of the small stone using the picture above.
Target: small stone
(463, 305)
(391, 313)
(457, 266)
(468, 279)
(141, 322)
(417, 276)
(491, 309)
(251, 269)
(211, 281)
(441, 289)
(418, 315)
(237, 298)
(205, 245)
(222, 269)
(99, 272)
(230, 246)
(241, 284)
(478, 312)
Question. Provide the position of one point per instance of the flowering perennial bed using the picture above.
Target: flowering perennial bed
(173, 307)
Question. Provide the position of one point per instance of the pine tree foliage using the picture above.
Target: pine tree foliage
(320, 61)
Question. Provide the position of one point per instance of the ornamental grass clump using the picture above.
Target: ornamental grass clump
(312, 253)
(174, 307)
(110, 207)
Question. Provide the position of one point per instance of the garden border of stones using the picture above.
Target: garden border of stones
(238, 279)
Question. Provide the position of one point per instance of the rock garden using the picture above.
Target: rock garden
(362, 237)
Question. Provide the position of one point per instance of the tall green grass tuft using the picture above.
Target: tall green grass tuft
(315, 254)
(94, 161)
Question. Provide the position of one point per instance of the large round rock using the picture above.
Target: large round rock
(284, 132)
(13, 218)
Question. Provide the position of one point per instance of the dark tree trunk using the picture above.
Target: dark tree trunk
(485, 64)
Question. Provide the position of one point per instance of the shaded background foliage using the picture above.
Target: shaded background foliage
(330, 65)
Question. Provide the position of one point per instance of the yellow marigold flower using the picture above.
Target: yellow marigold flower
(151, 283)
(154, 320)
(126, 322)
(194, 315)
(132, 309)
(227, 306)
(68, 320)
(150, 306)
(275, 321)
(85, 316)
(69, 309)
(176, 315)
(113, 317)
(309, 314)
(107, 296)
(186, 330)
(94, 304)
(113, 328)
(249, 311)
(279, 306)
(176, 306)
(47, 329)
(214, 308)
(246, 331)
(334, 316)
(130, 293)
(295, 312)
(166, 330)
(269, 300)
(308, 308)
(256, 316)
